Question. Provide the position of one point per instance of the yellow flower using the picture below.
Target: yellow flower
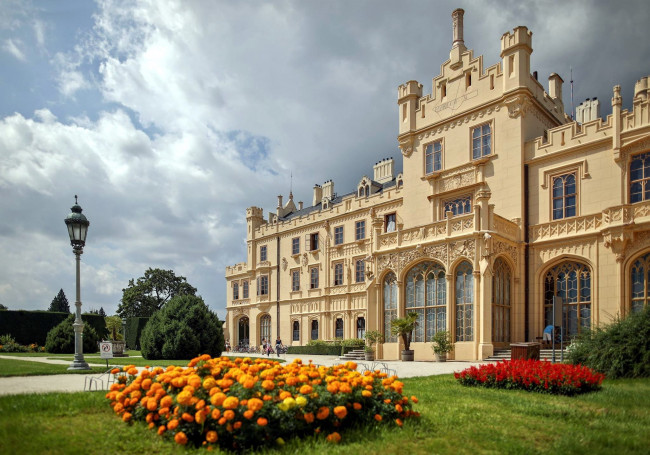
(301, 401)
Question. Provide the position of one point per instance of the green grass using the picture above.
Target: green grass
(28, 368)
(455, 420)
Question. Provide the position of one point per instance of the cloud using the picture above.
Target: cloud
(13, 47)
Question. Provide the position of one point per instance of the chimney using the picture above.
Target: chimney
(299, 205)
(641, 88)
(555, 86)
(457, 20)
(383, 171)
(328, 189)
(318, 194)
(280, 201)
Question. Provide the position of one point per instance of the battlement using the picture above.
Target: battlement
(409, 89)
(254, 212)
(642, 88)
(520, 37)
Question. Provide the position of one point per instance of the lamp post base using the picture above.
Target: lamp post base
(78, 364)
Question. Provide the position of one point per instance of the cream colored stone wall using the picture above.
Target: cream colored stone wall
(532, 141)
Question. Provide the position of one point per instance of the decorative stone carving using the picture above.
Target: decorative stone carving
(517, 105)
(284, 263)
(499, 247)
(617, 240)
(463, 248)
(305, 259)
(240, 311)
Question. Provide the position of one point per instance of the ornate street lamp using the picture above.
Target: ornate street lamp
(77, 228)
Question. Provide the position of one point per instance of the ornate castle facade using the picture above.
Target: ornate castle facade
(503, 203)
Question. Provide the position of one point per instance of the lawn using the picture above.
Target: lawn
(455, 419)
(28, 368)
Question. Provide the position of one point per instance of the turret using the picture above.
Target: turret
(328, 190)
(458, 44)
(642, 89)
(516, 48)
(407, 98)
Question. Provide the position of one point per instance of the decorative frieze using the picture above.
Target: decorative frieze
(499, 247)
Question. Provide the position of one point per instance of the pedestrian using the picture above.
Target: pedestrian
(278, 345)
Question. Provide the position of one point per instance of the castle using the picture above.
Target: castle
(504, 203)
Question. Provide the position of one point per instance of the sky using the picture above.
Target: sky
(168, 118)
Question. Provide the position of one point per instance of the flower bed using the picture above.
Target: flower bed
(533, 375)
(243, 403)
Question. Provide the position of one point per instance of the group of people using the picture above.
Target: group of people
(267, 348)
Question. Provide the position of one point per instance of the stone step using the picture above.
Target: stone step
(544, 354)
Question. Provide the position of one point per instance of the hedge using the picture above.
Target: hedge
(320, 350)
(98, 323)
(29, 327)
(134, 327)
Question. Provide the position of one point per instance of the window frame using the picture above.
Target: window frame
(360, 272)
(263, 253)
(444, 203)
(245, 289)
(235, 291)
(295, 331)
(386, 221)
(338, 235)
(643, 180)
(360, 227)
(563, 198)
(336, 328)
(482, 153)
(338, 274)
(295, 280)
(262, 285)
(312, 242)
(313, 278)
(295, 246)
(434, 152)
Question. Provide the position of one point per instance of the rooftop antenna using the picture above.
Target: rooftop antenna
(291, 184)
(572, 107)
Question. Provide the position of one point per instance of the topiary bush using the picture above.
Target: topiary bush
(619, 350)
(184, 328)
(60, 340)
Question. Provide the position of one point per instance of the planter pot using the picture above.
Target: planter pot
(441, 357)
(407, 356)
(118, 348)
(369, 355)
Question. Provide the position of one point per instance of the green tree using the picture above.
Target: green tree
(60, 339)
(60, 303)
(184, 328)
(114, 327)
(3, 307)
(142, 298)
(102, 313)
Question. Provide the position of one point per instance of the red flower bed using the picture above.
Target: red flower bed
(533, 375)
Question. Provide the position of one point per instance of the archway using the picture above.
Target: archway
(243, 335)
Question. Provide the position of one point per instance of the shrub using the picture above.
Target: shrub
(534, 376)
(243, 403)
(134, 328)
(60, 340)
(618, 350)
(184, 328)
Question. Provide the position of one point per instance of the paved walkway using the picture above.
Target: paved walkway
(75, 382)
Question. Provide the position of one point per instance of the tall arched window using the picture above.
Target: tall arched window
(501, 302)
(640, 294)
(426, 295)
(572, 282)
(265, 328)
(390, 305)
(464, 302)
(338, 330)
(243, 335)
(296, 331)
(314, 329)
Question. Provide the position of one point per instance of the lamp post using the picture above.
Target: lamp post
(77, 229)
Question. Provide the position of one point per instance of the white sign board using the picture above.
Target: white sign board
(106, 350)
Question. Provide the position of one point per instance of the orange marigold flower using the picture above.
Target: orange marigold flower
(161, 429)
(334, 438)
(340, 412)
(414, 399)
(249, 414)
(229, 414)
(262, 422)
(378, 418)
(218, 398)
(126, 416)
(152, 405)
(237, 425)
(345, 388)
(306, 389)
(323, 413)
(199, 417)
(255, 404)
(115, 370)
(230, 402)
(184, 398)
(309, 417)
(172, 424)
(399, 422)
(180, 438)
(366, 393)
(132, 371)
(146, 384)
(166, 402)
(398, 408)
(200, 404)
(267, 398)
(194, 381)
(211, 436)
(222, 421)
(356, 406)
(216, 414)
(284, 394)
(187, 417)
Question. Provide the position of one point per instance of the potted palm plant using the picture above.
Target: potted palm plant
(372, 338)
(404, 327)
(442, 345)
(113, 325)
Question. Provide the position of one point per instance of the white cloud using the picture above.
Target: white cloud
(13, 47)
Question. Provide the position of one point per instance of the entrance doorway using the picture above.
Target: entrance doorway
(243, 335)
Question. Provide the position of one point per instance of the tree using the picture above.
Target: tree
(144, 297)
(114, 326)
(403, 327)
(184, 328)
(3, 307)
(60, 303)
(102, 313)
(60, 339)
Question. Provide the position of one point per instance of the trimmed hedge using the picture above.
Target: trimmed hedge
(97, 322)
(60, 340)
(29, 327)
(320, 349)
(134, 328)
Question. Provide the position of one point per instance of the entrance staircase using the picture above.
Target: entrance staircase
(357, 354)
(544, 354)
